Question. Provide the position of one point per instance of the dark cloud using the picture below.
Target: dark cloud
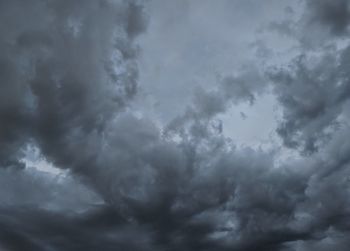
(52, 65)
(68, 74)
(316, 25)
(313, 91)
(332, 15)
(313, 87)
(34, 229)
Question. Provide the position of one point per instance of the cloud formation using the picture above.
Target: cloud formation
(68, 78)
(334, 16)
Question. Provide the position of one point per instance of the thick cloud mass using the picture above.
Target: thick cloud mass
(69, 78)
(333, 15)
(312, 106)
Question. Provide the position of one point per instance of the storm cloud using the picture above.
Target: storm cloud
(102, 150)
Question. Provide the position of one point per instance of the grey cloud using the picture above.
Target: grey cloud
(42, 190)
(208, 104)
(51, 73)
(332, 15)
(68, 77)
(317, 24)
(313, 88)
(34, 229)
(313, 92)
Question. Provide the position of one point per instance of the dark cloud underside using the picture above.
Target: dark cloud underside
(69, 78)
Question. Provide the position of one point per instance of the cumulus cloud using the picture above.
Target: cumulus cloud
(69, 73)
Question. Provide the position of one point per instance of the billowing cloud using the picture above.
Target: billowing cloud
(69, 76)
(314, 92)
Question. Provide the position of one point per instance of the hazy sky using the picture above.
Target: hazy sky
(174, 125)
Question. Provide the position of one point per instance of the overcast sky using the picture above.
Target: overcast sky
(174, 125)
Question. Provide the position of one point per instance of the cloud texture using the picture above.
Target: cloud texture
(69, 78)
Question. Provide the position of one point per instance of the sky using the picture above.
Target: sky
(174, 125)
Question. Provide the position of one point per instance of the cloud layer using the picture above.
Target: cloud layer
(69, 87)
